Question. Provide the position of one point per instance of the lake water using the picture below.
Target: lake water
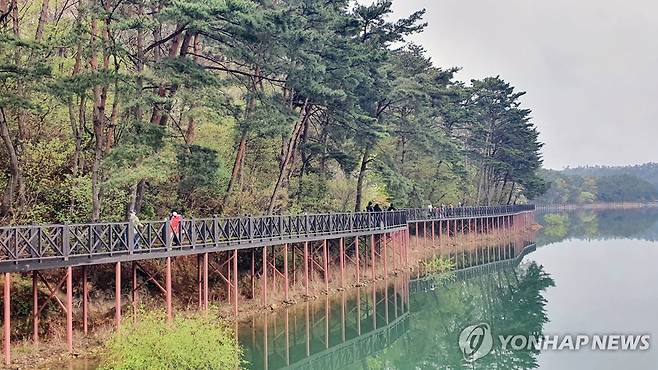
(589, 273)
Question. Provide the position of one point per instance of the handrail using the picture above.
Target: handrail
(446, 213)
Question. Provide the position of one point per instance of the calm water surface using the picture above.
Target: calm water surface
(590, 273)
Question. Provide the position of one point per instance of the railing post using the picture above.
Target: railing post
(251, 228)
(168, 234)
(66, 241)
(131, 237)
(193, 233)
(306, 225)
(215, 230)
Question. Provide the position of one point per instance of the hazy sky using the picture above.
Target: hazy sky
(590, 68)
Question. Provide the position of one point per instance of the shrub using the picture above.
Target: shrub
(189, 342)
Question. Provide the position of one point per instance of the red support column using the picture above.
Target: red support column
(85, 300)
(235, 283)
(433, 227)
(170, 315)
(356, 250)
(264, 282)
(306, 267)
(440, 233)
(417, 238)
(117, 295)
(342, 262)
(394, 246)
(69, 309)
(199, 281)
(205, 281)
(326, 264)
(384, 255)
(405, 244)
(274, 271)
(253, 272)
(35, 308)
(133, 293)
(285, 268)
(400, 244)
(7, 319)
(372, 255)
(425, 232)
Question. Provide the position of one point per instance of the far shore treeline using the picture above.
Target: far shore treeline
(224, 107)
(591, 184)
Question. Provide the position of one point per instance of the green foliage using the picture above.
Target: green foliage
(189, 342)
(238, 106)
(568, 187)
(439, 264)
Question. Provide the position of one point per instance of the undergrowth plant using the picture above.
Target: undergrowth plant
(189, 342)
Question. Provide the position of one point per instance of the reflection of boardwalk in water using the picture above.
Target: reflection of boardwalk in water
(340, 332)
(478, 262)
(333, 334)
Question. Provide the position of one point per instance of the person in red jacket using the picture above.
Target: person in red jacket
(175, 222)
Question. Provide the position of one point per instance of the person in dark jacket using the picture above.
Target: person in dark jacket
(369, 207)
(377, 208)
(391, 207)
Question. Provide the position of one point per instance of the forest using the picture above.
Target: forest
(234, 107)
(600, 184)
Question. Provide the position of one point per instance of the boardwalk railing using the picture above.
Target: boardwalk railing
(445, 213)
(25, 248)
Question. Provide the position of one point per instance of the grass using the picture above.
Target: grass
(189, 342)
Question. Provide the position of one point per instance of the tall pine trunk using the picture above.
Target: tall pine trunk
(360, 179)
(294, 139)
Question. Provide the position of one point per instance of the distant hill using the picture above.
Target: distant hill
(589, 184)
(647, 171)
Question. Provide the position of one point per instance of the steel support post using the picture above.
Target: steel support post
(6, 318)
(117, 295)
(326, 264)
(69, 309)
(133, 292)
(372, 255)
(356, 253)
(85, 300)
(264, 282)
(417, 238)
(35, 308)
(205, 281)
(393, 247)
(170, 315)
(384, 254)
(341, 242)
(235, 283)
(306, 267)
(199, 281)
(433, 223)
(406, 246)
(285, 269)
(253, 272)
(440, 233)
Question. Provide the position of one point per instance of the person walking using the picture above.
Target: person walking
(136, 224)
(391, 207)
(175, 222)
(369, 207)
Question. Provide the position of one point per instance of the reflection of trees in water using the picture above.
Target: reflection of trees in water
(598, 224)
(510, 300)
